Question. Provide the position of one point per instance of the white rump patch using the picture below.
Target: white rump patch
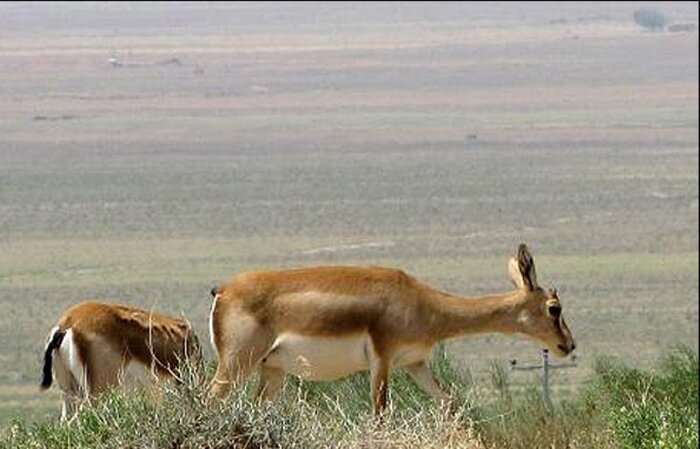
(211, 324)
(69, 369)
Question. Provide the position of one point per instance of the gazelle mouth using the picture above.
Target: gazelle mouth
(563, 349)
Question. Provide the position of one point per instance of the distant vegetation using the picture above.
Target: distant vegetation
(651, 18)
(622, 408)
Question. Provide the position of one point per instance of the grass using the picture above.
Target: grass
(84, 262)
(622, 408)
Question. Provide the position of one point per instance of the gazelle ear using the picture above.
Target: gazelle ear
(514, 273)
(522, 269)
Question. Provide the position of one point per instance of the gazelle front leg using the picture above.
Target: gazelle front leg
(424, 378)
(270, 383)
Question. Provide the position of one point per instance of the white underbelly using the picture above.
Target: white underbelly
(320, 358)
(410, 354)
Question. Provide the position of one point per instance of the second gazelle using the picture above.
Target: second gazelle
(326, 322)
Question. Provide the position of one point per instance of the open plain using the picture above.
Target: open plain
(148, 152)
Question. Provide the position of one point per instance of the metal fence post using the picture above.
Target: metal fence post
(545, 378)
(544, 367)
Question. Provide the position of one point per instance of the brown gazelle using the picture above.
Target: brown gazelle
(326, 322)
(98, 345)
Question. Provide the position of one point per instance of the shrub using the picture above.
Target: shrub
(651, 18)
(651, 410)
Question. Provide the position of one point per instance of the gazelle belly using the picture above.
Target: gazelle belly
(134, 373)
(320, 357)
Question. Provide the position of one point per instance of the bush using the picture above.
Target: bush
(651, 18)
(652, 410)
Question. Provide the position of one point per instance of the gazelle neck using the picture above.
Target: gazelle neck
(454, 316)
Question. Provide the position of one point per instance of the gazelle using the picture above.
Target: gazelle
(98, 345)
(326, 322)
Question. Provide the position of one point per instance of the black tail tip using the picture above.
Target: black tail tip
(214, 291)
(47, 370)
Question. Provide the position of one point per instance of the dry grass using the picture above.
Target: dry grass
(623, 408)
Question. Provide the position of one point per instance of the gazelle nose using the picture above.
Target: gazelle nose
(567, 349)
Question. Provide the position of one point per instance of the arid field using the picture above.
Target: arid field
(150, 151)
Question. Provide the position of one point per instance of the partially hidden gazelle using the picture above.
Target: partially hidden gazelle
(326, 322)
(98, 345)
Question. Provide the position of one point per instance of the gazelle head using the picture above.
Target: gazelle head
(541, 315)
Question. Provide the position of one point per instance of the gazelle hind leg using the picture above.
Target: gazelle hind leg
(240, 344)
(71, 376)
(379, 372)
(71, 404)
(105, 366)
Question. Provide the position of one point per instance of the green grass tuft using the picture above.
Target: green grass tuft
(652, 410)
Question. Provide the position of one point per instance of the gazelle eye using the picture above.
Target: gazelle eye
(554, 311)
